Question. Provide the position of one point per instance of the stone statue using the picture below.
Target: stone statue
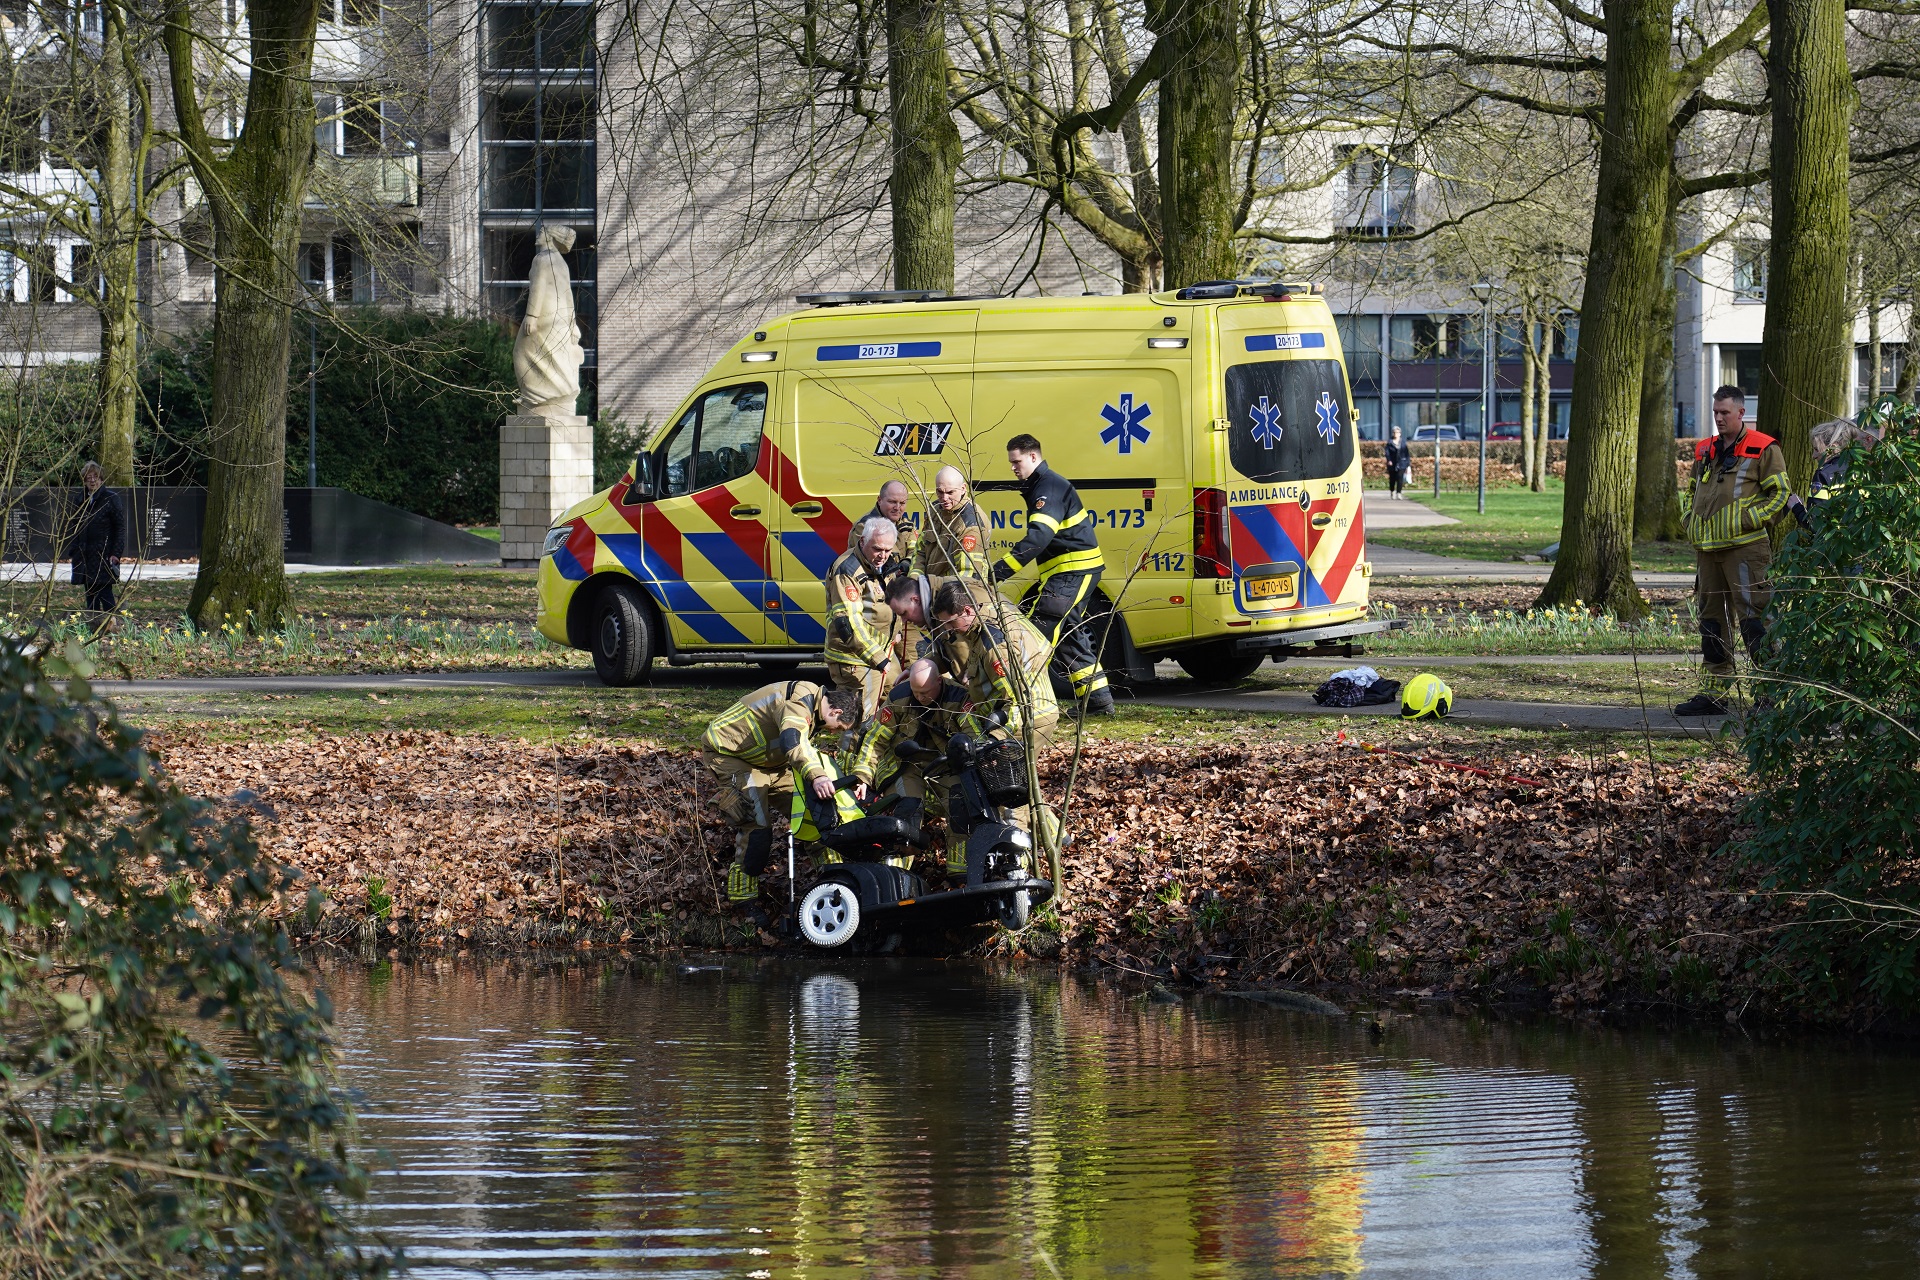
(547, 354)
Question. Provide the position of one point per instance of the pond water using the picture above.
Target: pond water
(785, 1118)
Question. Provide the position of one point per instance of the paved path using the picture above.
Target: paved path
(1526, 715)
(1383, 512)
(173, 571)
(1390, 562)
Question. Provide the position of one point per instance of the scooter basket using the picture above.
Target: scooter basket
(1003, 772)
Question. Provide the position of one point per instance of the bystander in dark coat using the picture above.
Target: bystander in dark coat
(99, 537)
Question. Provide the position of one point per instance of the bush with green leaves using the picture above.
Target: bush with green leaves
(1834, 741)
(408, 408)
(167, 1104)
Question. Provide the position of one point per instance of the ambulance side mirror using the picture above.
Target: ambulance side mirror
(644, 487)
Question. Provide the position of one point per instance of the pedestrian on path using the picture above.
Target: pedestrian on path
(98, 539)
(1738, 487)
(1399, 466)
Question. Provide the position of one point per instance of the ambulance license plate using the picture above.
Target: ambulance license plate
(1277, 587)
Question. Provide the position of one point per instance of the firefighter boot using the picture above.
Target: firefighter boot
(742, 887)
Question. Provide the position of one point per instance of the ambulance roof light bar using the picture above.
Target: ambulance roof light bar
(1241, 288)
(856, 297)
(859, 298)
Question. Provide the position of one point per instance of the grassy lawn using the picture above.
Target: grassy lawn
(467, 619)
(1518, 522)
(1667, 629)
(429, 618)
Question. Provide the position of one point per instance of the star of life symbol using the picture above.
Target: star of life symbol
(1329, 412)
(1123, 424)
(1266, 424)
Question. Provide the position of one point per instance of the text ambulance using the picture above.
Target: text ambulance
(1210, 432)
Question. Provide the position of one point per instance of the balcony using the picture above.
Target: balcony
(391, 182)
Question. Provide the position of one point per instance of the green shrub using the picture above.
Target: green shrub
(408, 410)
(49, 423)
(167, 1103)
(1836, 756)
(614, 446)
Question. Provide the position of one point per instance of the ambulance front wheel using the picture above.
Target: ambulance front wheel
(1218, 663)
(622, 636)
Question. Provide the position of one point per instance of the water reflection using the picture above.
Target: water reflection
(917, 1119)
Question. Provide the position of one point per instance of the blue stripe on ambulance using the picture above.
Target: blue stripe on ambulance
(734, 565)
(670, 591)
(568, 565)
(1260, 522)
(879, 351)
(1285, 341)
(814, 552)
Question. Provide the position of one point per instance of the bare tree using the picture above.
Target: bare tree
(255, 187)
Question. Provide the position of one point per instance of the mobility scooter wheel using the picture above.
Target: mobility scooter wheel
(1017, 909)
(829, 914)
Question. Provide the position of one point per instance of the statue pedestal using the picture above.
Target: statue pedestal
(546, 465)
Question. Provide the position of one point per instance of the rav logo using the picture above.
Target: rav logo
(918, 438)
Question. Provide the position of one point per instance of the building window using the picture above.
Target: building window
(1566, 336)
(1740, 366)
(1360, 341)
(1366, 410)
(1750, 271)
(338, 270)
(1432, 337)
(1379, 191)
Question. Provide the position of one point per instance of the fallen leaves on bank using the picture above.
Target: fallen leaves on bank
(421, 837)
(1325, 864)
(1314, 864)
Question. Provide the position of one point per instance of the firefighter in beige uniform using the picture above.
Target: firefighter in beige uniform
(911, 597)
(891, 504)
(954, 544)
(860, 647)
(754, 748)
(1739, 486)
(1004, 670)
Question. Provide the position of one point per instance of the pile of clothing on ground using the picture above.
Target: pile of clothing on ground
(1357, 687)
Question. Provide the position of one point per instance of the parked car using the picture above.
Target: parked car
(1427, 433)
(1504, 431)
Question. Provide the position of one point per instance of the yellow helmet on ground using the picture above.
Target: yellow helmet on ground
(1426, 695)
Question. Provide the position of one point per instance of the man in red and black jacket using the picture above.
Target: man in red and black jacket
(1739, 487)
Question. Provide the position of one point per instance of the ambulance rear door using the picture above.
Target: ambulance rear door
(1293, 477)
(875, 393)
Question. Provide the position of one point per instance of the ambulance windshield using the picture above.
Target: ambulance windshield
(1288, 420)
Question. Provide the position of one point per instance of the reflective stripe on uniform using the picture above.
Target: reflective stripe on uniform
(1072, 562)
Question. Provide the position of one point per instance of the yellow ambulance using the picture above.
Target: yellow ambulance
(1210, 431)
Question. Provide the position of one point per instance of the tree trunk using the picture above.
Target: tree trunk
(255, 192)
(1656, 498)
(1141, 273)
(116, 256)
(1595, 564)
(926, 145)
(1809, 334)
(1527, 442)
(1198, 93)
(1543, 416)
